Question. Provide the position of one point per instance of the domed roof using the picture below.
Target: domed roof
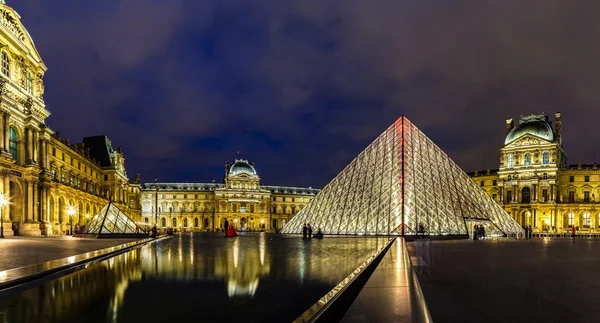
(534, 125)
(241, 166)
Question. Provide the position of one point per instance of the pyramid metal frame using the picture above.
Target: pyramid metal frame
(111, 222)
(402, 184)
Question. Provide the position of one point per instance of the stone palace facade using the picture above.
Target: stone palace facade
(42, 174)
(240, 200)
(536, 185)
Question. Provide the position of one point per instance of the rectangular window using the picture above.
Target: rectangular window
(587, 178)
(184, 196)
(53, 173)
(545, 195)
(164, 196)
(495, 182)
(586, 196)
(242, 209)
(53, 151)
(571, 179)
(508, 196)
(571, 196)
(196, 196)
(481, 183)
(274, 198)
(174, 196)
(106, 177)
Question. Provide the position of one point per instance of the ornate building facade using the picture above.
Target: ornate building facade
(240, 200)
(534, 182)
(41, 174)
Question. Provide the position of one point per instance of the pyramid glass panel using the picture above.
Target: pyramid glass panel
(110, 221)
(401, 184)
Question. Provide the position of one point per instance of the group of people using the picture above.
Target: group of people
(307, 232)
(478, 232)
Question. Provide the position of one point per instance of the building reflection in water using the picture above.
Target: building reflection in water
(100, 292)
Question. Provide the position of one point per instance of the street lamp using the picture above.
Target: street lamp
(3, 203)
(71, 212)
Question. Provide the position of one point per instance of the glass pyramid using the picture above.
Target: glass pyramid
(110, 221)
(402, 184)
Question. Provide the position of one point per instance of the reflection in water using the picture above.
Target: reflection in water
(223, 272)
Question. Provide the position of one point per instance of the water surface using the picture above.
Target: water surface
(197, 278)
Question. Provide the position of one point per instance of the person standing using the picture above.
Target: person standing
(304, 231)
(573, 233)
(309, 231)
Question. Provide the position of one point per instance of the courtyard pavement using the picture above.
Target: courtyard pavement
(539, 280)
(23, 251)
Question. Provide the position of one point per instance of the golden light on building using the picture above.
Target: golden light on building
(535, 183)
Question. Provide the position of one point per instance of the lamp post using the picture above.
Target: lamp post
(71, 212)
(3, 203)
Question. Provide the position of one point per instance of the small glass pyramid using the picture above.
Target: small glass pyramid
(110, 221)
(402, 184)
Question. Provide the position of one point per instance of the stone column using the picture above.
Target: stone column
(27, 145)
(2, 134)
(35, 149)
(36, 202)
(534, 192)
(6, 131)
(29, 199)
(45, 205)
(7, 194)
(551, 192)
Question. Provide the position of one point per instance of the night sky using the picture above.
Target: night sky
(301, 87)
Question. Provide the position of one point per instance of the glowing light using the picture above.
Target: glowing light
(236, 251)
(3, 200)
(71, 259)
(3, 274)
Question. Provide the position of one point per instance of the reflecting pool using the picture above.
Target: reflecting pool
(203, 277)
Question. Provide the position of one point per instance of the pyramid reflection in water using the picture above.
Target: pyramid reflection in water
(402, 183)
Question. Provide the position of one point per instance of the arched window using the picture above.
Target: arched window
(526, 195)
(5, 64)
(13, 143)
(185, 222)
(570, 219)
(586, 220)
(527, 159)
(546, 158)
(195, 222)
(511, 161)
(163, 222)
(174, 222)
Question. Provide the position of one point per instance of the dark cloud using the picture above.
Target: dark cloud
(301, 87)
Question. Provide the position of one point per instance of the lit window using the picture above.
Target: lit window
(13, 143)
(571, 219)
(527, 159)
(5, 64)
(546, 158)
(586, 220)
(511, 161)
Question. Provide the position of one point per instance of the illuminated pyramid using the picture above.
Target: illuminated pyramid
(402, 183)
(110, 222)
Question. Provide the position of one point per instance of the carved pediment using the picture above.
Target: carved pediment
(528, 140)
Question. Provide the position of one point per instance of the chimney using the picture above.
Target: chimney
(509, 125)
(558, 127)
